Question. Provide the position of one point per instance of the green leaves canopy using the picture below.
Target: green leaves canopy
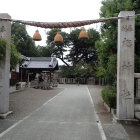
(15, 56)
(58, 49)
(83, 50)
(107, 47)
(23, 42)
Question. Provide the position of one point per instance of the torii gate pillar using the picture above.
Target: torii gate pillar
(5, 33)
(125, 66)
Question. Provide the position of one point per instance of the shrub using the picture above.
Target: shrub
(109, 96)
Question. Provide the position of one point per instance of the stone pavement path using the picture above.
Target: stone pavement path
(113, 130)
(70, 115)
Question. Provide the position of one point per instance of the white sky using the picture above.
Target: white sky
(51, 11)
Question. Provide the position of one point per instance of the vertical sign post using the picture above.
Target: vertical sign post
(5, 34)
(125, 66)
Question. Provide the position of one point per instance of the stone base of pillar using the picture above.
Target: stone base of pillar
(125, 121)
(4, 115)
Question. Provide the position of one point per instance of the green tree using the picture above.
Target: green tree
(44, 51)
(83, 50)
(23, 42)
(66, 71)
(83, 53)
(58, 49)
(15, 57)
(77, 50)
(107, 47)
(83, 70)
(80, 53)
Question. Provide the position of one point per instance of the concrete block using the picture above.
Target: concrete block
(137, 115)
(115, 132)
(137, 100)
(125, 121)
(137, 107)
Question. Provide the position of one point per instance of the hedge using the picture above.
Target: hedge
(109, 96)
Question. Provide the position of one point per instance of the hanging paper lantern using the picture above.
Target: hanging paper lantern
(37, 36)
(58, 38)
(83, 35)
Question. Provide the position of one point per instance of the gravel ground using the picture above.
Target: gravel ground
(24, 102)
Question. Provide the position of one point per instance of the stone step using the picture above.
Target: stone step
(137, 107)
(137, 115)
(137, 100)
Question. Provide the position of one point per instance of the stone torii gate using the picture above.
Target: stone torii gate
(125, 66)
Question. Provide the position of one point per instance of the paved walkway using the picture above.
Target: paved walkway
(70, 115)
(113, 130)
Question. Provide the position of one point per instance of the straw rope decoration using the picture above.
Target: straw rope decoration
(64, 24)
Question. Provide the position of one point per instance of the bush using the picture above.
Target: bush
(109, 96)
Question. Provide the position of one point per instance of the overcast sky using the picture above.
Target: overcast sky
(51, 11)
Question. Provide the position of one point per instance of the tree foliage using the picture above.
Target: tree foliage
(79, 50)
(44, 51)
(58, 49)
(15, 57)
(66, 71)
(107, 47)
(23, 42)
(84, 70)
(83, 50)
(75, 53)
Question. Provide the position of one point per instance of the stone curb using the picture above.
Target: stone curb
(115, 119)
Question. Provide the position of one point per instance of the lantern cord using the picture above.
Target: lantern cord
(65, 24)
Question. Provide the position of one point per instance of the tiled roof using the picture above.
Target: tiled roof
(41, 58)
(40, 63)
